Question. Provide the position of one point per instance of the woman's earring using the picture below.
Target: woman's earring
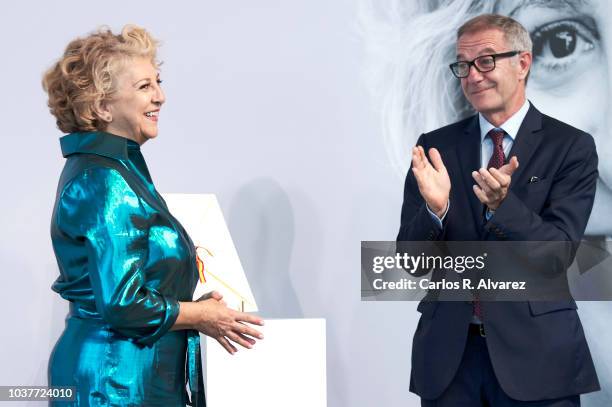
(108, 118)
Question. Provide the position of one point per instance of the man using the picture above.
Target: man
(467, 188)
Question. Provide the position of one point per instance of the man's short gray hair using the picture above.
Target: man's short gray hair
(517, 37)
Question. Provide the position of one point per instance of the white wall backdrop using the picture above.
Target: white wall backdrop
(273, 106)
(266, 108)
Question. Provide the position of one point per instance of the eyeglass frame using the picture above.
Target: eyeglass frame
(473, 62)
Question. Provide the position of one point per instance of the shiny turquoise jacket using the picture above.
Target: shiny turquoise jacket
(125, 263)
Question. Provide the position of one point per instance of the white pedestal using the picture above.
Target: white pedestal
(286, 368)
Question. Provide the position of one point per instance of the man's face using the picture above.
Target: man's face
(499, 90)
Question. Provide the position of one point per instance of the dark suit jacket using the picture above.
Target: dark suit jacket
(538, 349)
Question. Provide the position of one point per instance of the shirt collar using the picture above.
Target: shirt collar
(510, 126)
(97, 142)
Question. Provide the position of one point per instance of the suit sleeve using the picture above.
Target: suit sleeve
(417, 222)
(567, 209)
(99, 208)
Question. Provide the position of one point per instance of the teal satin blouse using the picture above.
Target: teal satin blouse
(125, 262)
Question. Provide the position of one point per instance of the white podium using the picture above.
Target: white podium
(286, 368)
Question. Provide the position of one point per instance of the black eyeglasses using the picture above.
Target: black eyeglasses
(484, 63)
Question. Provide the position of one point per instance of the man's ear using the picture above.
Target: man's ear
(525, 59)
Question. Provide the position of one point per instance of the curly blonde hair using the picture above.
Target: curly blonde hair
(85, 76)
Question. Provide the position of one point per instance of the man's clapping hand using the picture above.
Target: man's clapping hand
(433, 180)
(492, 184)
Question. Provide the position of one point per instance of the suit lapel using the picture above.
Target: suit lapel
(468, 154)
(526, 142)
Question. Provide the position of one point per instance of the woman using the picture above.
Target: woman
(127, 266)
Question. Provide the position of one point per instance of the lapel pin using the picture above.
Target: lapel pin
(533, 180)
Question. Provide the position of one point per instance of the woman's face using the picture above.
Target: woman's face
(135, 106)
(571, 76)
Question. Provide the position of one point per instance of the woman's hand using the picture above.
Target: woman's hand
(226, 325)
(210, 316)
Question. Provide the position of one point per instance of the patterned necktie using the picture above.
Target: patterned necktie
(497, 160)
